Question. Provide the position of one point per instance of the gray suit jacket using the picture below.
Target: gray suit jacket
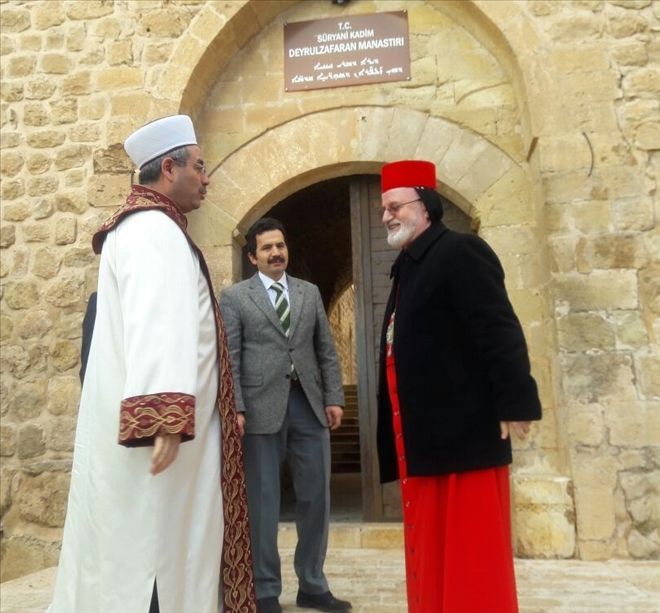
(261, 354)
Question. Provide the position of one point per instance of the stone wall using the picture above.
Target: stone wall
(595, 92)
(567, 89)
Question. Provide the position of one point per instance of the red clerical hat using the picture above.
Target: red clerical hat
(407, 173)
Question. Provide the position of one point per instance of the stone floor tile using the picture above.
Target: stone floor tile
(374, 581)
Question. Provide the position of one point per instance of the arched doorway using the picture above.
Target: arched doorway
(464, 109)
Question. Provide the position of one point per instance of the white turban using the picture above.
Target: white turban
(159, 137)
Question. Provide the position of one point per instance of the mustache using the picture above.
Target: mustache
(276, 259)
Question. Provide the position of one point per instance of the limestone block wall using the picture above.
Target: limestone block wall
(594, 90)
(577, 110)
(74, 84)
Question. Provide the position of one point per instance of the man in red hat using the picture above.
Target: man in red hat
(454, 382)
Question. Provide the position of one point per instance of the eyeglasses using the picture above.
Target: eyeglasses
(393, 209)
(200, 167)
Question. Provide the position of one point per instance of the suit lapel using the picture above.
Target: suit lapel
(259, 295)
(297, 295)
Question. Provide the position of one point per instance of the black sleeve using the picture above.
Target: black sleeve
(87, 332)
(483, 307)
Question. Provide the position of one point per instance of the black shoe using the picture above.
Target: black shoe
(268, 605)
(322, 602)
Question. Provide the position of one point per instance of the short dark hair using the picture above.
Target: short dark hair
(265, 224)
(151, 171)
(432, 202)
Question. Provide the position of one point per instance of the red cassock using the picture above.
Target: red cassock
(457, 533)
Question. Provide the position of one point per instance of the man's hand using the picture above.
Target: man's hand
(519, 428)
(240, 420)
(334, 413)
(166, 446)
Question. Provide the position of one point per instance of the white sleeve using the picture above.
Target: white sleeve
(157, 275)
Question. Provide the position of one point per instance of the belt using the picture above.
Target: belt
(295, 383)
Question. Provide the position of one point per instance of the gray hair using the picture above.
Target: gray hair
(150, 172)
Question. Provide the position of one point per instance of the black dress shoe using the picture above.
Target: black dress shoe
(322, 602)
(268, 605)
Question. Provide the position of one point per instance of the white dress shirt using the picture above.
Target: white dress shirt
(272, 294)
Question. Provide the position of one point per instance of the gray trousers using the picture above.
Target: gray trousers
(305, 443)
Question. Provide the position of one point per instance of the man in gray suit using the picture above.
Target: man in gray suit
(289, 395)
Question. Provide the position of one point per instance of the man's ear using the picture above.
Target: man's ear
(252, 259)
(167, 168)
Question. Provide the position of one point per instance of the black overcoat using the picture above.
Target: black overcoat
(461, 358)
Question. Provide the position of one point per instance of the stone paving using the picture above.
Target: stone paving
(373, 579)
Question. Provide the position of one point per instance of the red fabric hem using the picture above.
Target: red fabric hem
(144, 417)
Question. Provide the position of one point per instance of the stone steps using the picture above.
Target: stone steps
(345, 442)
(351, 535)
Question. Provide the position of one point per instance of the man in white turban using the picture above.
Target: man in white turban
(157, 514)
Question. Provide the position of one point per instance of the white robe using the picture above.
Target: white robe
(154, 333)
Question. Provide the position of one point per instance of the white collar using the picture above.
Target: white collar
(268, 282)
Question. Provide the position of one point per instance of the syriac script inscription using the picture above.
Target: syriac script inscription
(353, 50)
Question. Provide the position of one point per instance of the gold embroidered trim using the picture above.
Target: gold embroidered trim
(140, 199)
(147, 416)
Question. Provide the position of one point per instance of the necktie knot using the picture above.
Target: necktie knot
(278, 287)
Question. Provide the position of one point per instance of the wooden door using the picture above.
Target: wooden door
(372, 261)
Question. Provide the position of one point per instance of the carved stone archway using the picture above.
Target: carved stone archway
(472, 172)
(494, 187)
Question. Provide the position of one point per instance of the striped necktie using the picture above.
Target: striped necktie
(282, 307)
(284, 313)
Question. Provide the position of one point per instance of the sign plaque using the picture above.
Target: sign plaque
(351, 50)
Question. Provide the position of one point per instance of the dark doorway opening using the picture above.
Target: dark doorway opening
(318, 225)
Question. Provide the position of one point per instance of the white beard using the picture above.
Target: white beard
(401, 236)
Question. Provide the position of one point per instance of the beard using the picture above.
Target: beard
(400, 236)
